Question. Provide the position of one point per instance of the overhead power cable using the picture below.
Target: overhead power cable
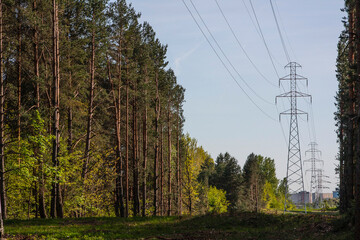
(263, 38)
(261, 35)
(280, 34)
(243, 49)
(251, 18)
(282, 128)
(224, 65)
(241, 46)
(284, 30)
(223, 53)
(311, 125)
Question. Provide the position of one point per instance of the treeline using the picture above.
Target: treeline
(222, 185)
(348, 113)
(91, 119)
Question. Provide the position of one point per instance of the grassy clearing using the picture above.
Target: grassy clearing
(239, 226)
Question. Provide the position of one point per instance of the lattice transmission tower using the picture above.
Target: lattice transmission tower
(294, 173)
(320, 184)
(314, 170)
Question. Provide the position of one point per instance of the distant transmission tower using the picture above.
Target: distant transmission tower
(320, 184)
(314, 170)
(294, 173)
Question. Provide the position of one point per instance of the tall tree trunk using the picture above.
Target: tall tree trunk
(56, 199)
(342, 191)
(178, 163)
(136, 197)
(70, 130)
(357, 166)
(169, 159)
(161, 197)
(54, 123)
(189, 189)
(145, 148)
(119, 201)
(127, 141)
(70, 114)
(2, 131)
(37, 189)
(156, 155)
(36, 58)
(91, 104)
(180, 194)
(119, 181)
(19, 83)
(42, 209)
(49, 95)
(349, 165)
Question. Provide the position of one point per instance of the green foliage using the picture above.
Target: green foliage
(26, 161)
(227, 176)
(261, 184)
(269, 197)
(217, 200)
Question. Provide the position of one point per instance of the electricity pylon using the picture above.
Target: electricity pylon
(294, 173)
(320, 184)
(313, 160)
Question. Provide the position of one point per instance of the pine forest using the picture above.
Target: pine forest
(93, 142)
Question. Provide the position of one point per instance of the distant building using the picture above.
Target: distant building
(305, 197)
(300, 198)
(323, 196)
(327, 196)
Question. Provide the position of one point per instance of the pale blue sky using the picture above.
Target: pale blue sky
(218, 114)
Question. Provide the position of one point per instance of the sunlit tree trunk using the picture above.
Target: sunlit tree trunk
(2, 130)
(349, 165)
(357, 166)
(136, 197)
(161, 158)
(91, 104)
(169, 160)
(156, 155)
(127, 142)
(19, 61)
(145, 148)
(56, 199)
(178, 188)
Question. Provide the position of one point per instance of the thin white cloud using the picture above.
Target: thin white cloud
(183, 57)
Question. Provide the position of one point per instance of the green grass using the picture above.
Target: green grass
(239, 226)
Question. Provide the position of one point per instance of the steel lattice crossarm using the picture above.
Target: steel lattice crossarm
(297, 94)
(296, 111)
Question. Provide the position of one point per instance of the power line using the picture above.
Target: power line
(223, 53)
(246, 54)
(286, 35)
(263, 38)
(259, 33)
(241, 46)
(251, 18)
(281, 37)
(222, 62)
(282, 128)
(312, 121)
